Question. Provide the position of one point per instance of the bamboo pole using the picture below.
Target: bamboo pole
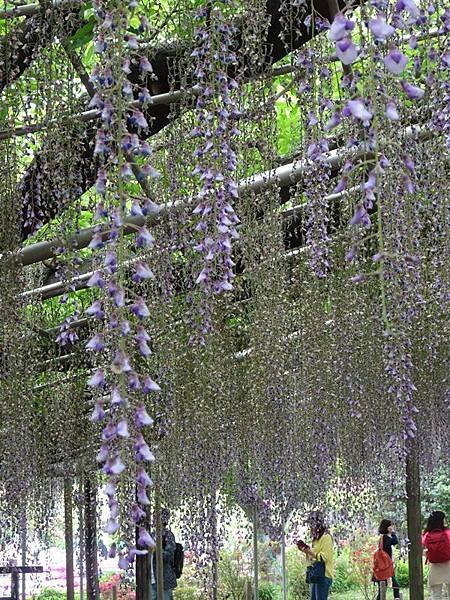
(283, 176)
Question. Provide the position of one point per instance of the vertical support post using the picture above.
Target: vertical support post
(255, 554)
(414, 519)
(143, 572)
(68, 538)
(14, 584)
(214, 552)
(283, 562)
(159, 548)
(90, 529)
(383, 588)
(81, 540)
(23, 541)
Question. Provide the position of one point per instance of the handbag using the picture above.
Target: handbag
(315, 573)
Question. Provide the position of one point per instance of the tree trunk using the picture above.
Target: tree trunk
(90, 546)
(414, 518)
(68, 538)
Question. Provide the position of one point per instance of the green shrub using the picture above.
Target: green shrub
(50, 594)
(267, 591)
(402, 573)
(342, 580)
(296, 569)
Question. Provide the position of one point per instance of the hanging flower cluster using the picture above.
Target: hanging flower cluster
(217, 117)
(122, 342)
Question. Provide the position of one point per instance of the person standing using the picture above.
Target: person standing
(321, 550)
(436, 540)
(168, 544)
(390, 539)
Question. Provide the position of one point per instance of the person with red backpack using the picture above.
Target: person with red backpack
(383, 565)
(436, 541)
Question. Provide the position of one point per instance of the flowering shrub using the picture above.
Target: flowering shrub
(361, 561)
(124, 589)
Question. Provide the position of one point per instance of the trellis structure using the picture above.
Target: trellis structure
(286, 273)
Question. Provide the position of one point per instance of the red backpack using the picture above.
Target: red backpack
(437, 543)
(383, 567)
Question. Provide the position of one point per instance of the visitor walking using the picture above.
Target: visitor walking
(320, 555)
(388, 539)
(436, 540)
(169, 545)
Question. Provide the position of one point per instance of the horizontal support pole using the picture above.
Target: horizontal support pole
(283, 176)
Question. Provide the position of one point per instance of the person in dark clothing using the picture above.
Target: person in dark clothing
(168, 544)
(390, 539)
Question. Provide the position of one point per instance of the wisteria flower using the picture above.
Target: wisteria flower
(140, 309)
(357, 109)
(150, 385)
(142, 450)
(102, 454)
(391, 111)
(410, 6)
(346, 51)
(98, 413)
(116, 467)
(116, 397)
(142, 497)
(110, 261)
(96, 242)
(96, 280)
(95, 310)
(96, 343)
(111, 527)
(137, 514)
(97, 379)
(122, 428)
(133, 381)
(380, 29)
(109, 432)
(121, 363)
(142, 418)
(395, 61)
(145, 539)
(360, 216)
(110, 489)
(340, 27)
(142, 271)
(143, 478)
(144, 238)
(413, 92)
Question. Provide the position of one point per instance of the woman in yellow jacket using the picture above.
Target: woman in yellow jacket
(322, 549)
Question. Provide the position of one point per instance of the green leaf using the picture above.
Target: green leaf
(84, 35)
